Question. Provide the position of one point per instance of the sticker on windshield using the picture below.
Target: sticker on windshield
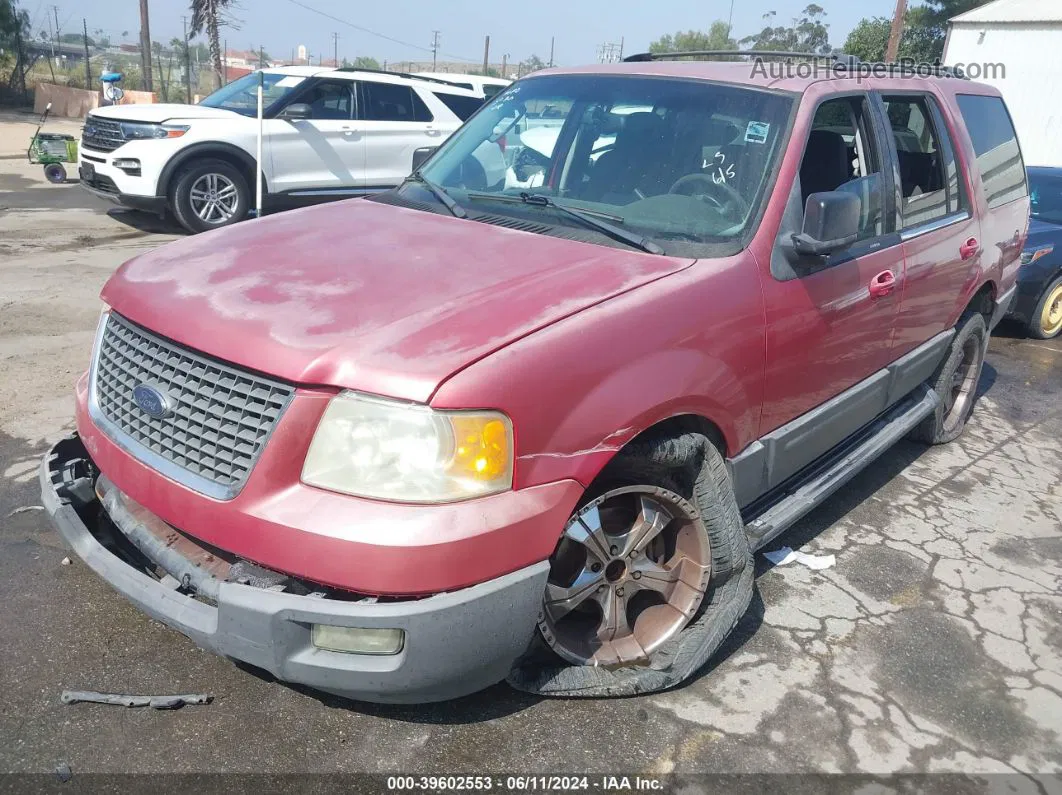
(289, 82)
(757, 132)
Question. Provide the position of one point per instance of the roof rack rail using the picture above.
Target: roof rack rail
(837, 57)
(398, 74)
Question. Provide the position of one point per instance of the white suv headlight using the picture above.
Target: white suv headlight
(386, 450)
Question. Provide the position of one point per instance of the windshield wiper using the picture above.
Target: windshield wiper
(439, 192)
(591, 218)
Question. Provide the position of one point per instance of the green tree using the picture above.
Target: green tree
(10, 22)
(869, 39)
(365, 62)
(209, 16)
(925, 29)
(717, 38)
(809, 33)
(531, 64)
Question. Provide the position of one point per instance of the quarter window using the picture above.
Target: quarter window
(996, 146)
(921, 159)
(393, 102)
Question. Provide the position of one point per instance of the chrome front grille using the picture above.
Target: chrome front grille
(102, 135)
(219, 417)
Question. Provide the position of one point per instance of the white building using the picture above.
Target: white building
(1025, 38)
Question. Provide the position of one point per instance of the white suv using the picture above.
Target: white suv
(327, 133)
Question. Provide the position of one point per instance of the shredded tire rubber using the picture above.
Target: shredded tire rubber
(691, 466)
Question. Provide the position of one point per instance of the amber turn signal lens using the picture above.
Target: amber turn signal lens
(482, 448)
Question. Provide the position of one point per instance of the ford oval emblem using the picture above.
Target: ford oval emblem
(153, 401)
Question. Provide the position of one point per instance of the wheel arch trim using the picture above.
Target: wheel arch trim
(218, 149)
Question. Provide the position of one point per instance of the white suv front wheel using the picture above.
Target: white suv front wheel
(209, 194)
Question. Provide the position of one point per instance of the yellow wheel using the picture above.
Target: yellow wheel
(1047, 319)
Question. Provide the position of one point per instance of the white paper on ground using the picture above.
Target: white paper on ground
(785, 555)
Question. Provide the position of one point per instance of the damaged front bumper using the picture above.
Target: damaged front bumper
(455, 643)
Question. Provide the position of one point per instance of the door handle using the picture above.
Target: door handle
(970, 249)
(432, 132)
(883, 284)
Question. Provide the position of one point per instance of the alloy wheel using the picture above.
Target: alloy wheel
(214, 198)
(629, 573)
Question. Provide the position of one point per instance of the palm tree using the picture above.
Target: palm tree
(208, 15)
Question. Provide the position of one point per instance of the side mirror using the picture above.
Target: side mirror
(421, 155)
(831, 224)
(299, 111)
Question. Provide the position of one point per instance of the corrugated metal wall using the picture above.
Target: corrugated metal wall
(1032, 86)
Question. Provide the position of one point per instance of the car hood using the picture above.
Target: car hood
(368, 296)
(161, 113)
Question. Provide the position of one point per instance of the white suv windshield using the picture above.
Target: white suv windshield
(679, 160)
(241, 95)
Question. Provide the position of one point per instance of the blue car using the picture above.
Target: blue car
(1039, 301)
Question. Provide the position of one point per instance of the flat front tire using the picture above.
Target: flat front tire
(650, 575)
(210, 194)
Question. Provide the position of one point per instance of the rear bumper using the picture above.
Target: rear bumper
(455, 643)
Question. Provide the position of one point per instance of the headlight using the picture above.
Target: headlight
(140, 131)
(382, 449)
(1031, 255)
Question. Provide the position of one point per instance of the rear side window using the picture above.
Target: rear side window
(391, 102)
(996, 146)
(924, 161)
(462, 107)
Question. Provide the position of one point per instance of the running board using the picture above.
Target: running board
(770, 517)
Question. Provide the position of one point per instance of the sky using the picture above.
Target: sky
(518, 29)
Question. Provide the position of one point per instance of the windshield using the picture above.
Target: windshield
(241, 95)
(1046, 194)
(674, 160)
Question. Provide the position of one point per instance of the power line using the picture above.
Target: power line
(378, 35)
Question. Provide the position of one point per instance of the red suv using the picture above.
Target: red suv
(530, 421)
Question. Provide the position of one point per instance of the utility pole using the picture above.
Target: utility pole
(623, 40)
(261, 57)
(335, 49)
(505, 63)
(187, 63)
(730, 22)
(51, 44)
(88, 66)
(896, 33)
(552, 41)
(145, 46)
(486, 55)
(434, 49)
(225, 64)
(58, 43)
